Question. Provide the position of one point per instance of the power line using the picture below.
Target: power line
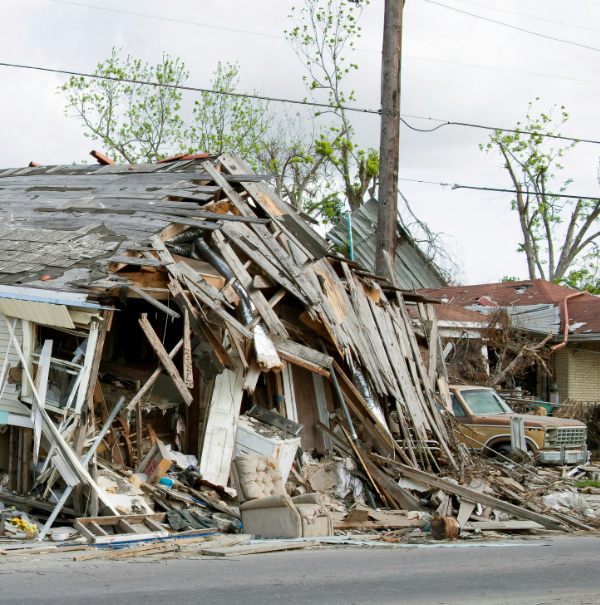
(513, 71)
(446, 123)
(114, 10)
(501, 10)
(279, 100)
(527, 31)
(190, 88)
(365, 50)
(495, 190)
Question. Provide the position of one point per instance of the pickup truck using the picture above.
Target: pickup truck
(485, 419)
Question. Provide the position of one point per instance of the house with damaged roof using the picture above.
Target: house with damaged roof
(540, 307)
(181, 313)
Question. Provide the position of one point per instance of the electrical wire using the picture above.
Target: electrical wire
(123, 12)
(493, 189)
(189, 88)
(502, 10)
(446, 123)
(279, 100)
(365, 50)
(527, 31)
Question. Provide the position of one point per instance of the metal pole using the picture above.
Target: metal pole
(85, 461)
(353, 434)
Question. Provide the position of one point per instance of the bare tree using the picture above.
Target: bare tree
(558, 232)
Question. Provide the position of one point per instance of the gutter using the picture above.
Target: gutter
(565, 320)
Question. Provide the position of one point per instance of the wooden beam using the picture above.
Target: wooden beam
(164, 358)
(140, 394)
(188, 372)
(470, 494)
(154, 302)
(201, 329)
(258, 298)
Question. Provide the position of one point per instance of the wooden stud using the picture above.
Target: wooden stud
(164, 358)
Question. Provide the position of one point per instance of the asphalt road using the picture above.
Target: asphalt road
(566, 572)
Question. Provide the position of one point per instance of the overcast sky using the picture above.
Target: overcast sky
(66, 36)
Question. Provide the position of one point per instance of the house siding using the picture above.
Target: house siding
(577, 372)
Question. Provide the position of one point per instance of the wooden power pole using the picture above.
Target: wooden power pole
(389, 154)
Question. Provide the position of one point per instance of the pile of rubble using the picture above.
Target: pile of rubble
(317, 412)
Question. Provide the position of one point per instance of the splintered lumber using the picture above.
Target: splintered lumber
(266, 312)
(501, 525)
(252, 549)
(154, 302)
(201, 329)
(138, 262)
(44, 550)
(471, 495)
(467, 506)
(165, 360)
(21, 502)
(188, 371)
(303, 356)
(125, 553)
(140, 394)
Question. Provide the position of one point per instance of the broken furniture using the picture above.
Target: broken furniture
(126, 528)
(254, 438)
(266, 508)
(155, 464)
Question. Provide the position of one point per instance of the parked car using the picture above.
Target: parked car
(485, 419)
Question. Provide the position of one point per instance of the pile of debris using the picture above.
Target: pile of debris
(215, 325)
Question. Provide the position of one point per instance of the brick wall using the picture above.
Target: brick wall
(577, 372)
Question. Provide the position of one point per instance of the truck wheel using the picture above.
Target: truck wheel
(506, 450)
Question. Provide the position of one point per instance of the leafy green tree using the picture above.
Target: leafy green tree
(559, 234)
(228, 123)
(324, 33)
(134, 122)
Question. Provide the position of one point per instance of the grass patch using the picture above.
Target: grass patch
(588, 483)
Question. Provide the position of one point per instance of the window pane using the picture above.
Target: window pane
(485, 401)
(457, 408)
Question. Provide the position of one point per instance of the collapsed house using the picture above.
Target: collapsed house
(161, 321)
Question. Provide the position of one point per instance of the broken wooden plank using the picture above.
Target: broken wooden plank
(137, 262)
(219, 355)
(303, 356)
(251, 549)
(188, 371)
(164, 358)
(148, 384)
(501, 526)
(468, 506)
(470, 494)
(258, 298)
(154, 302)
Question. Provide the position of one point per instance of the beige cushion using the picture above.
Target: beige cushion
(259, 476)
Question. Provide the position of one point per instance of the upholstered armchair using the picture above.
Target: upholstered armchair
(267, 510)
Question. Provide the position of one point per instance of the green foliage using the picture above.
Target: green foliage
(582, 279)
(134, 122)
(506, 279)
(557, 232)
(228, 123)
(325, 32)
(587, 483)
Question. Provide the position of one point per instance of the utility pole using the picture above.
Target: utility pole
(389, 150)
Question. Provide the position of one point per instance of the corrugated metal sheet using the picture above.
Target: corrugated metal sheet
(538, 318)
(412, 267)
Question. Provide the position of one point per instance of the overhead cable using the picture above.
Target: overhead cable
(190, 88)
(502, 10)
(279, 100)
(364, 50)
(537, 134)
(527, 31)
(495, 190)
